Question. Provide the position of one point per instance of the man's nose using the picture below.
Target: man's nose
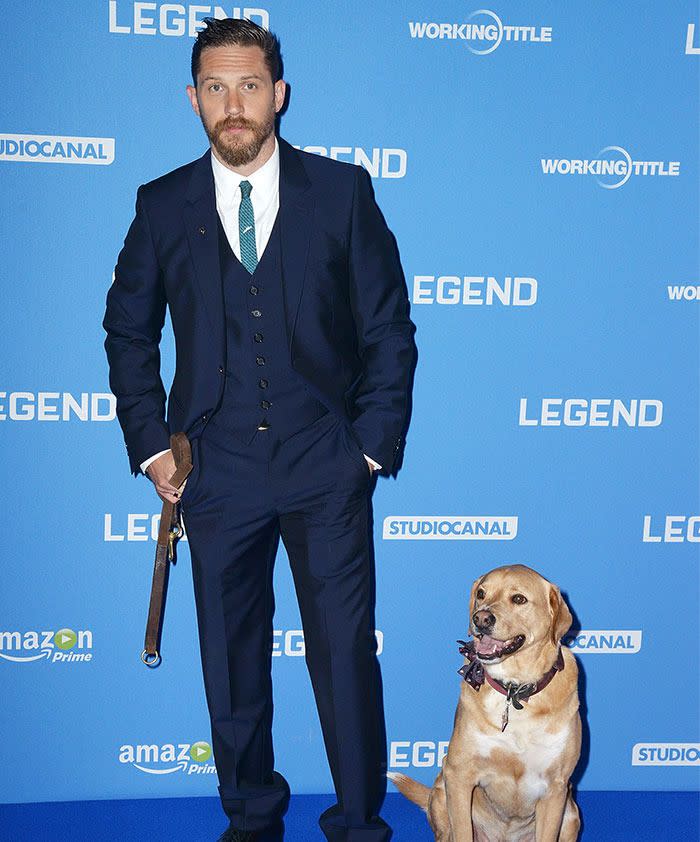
(234, 104)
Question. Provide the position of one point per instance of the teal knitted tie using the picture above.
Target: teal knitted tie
(246, 227)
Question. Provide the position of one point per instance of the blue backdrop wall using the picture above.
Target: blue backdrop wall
(538, 164)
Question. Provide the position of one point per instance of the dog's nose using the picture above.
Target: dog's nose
(483, 620)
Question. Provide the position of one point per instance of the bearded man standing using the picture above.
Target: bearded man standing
(295, 358)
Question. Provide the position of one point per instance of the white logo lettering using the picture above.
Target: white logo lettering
(687, 293)
(421, 754)
(168, 758)
(139, 527)
(617, 164)
(597, 412)
(174, 19)
(474, 290)
(291, 643)
(450, 528)
(676, 530)
(666, 754)
(57, 406)
(604, 642)
(62, 646)
(54, 149)
(379, 163)
(483, 36)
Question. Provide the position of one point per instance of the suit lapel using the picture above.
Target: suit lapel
(295, 218)
(200, 218)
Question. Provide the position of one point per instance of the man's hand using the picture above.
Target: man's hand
(160, 472)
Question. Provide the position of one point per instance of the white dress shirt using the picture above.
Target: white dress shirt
(265, 198)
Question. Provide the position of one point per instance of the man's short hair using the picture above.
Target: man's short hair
(231, 32)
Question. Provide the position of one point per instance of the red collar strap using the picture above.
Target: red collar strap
(475, 675)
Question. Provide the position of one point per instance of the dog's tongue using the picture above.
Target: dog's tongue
(486, 645)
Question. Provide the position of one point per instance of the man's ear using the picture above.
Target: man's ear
(280, 94)
(561, 619)
(192, 94)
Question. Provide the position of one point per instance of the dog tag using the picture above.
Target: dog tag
(504, 717)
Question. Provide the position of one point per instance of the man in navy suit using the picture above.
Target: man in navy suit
(295, 358)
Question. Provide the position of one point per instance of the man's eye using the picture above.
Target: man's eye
(480, 594)
(250, 86)
(216, 87)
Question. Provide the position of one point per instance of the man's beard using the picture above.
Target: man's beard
(234, 150)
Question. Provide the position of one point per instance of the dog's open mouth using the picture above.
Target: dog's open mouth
(488, 648)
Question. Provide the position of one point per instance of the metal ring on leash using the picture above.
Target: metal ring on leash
(151, 660)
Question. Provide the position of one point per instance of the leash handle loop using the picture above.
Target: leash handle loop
(168, 534)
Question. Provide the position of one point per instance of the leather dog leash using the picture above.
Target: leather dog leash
(168, 534)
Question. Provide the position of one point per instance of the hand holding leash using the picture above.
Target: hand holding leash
(168, 534)
(161, 473)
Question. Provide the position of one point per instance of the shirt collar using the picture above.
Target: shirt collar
(265, 180)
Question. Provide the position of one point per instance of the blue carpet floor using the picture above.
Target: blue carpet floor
(607, 816)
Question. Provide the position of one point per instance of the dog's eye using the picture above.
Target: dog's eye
(480, 593)
(518, 599)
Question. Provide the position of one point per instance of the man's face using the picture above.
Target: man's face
(237, 102)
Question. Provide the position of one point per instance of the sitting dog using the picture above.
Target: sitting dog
(517, 730)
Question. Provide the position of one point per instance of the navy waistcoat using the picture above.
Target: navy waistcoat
(261, 387)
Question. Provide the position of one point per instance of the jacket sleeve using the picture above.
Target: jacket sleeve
(380, 306)
(134, 321)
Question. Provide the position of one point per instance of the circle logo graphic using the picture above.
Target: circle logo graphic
(496, 31)
(623, 166)
(200, 752)
(65, 638)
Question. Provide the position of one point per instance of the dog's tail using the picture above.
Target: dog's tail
(414, 791)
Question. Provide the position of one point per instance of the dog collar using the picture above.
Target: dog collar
(475, 675)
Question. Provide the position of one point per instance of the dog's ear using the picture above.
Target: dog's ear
(472, 597)
(561, 616)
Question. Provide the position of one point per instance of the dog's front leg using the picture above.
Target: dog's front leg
(458, 792)
(549, 812)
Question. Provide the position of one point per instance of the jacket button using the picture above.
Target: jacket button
(263, 383)
(260, 360)
(253, 290)
(221, 369)
(256, 313)
(265, 404)
(204, 417)
(258, 337)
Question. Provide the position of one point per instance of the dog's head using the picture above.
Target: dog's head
(514, 609)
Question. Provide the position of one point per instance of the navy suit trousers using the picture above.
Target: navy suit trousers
(314, 491)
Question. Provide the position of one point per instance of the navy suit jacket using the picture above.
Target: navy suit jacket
(346, 306)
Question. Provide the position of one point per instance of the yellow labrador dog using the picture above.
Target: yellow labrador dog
(517, 730)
